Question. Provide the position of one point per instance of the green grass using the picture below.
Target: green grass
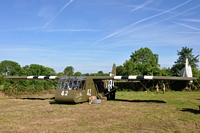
(172, 98)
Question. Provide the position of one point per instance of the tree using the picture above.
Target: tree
(77, 74)
(165, 72)
(142, 62)
(180, 63)
(60, 74)
(10, 68)
(69, 71)
(86, 74)
(36, 69)
(120, 70)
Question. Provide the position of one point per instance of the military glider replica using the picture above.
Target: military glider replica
(78, 89)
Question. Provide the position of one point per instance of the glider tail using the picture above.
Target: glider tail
(113, 73)
(188, 70)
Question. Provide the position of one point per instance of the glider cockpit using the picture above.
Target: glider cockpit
(70, 89)
(75, 83)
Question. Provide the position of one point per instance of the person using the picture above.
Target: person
(157, 88)
(163, 88)
(110, 84)
(92, 98)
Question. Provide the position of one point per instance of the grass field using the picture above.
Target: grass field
(139, 112)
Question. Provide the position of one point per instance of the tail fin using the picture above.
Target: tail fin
(188, 70)
(113, 73)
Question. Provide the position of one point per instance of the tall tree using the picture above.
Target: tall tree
(142, 62)
(69, 71)
(180, 63)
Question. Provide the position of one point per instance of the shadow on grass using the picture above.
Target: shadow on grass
(146, 101)
(52, 100)
(33, 98)
(194, 111)
(63, 103)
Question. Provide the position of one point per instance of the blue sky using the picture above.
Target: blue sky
(91, 35)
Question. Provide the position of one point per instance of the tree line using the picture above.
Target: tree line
(145, 62)
(141, 62)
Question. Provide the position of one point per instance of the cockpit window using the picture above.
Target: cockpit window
(83, 84)
(60, 84)
(71, 84)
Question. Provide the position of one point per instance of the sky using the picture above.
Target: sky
(91, 35)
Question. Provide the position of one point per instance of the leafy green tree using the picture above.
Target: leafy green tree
(10, 68)
(120, 70)
(86, 74)
(30, 86)
(50, 71)
(68, 71)
(142, 62)
(60, 74)
(1, 80)
(99, 73)
(77, 74)
(180, 63)
(36, 69)
(165, 71)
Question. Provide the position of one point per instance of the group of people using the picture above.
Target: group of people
(163, 88)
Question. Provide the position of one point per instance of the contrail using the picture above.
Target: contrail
(159, 14)
(163, 20)
(48, 57)
(141, 6)
(56, 15)
(183, 12)
(142, 20)
(188, 26)
(192, 20)
(73, 30)
(109, 36)
(148, 8)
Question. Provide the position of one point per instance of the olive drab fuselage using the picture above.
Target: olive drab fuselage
(79, 89)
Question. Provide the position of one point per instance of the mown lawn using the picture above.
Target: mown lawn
(130, 112)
